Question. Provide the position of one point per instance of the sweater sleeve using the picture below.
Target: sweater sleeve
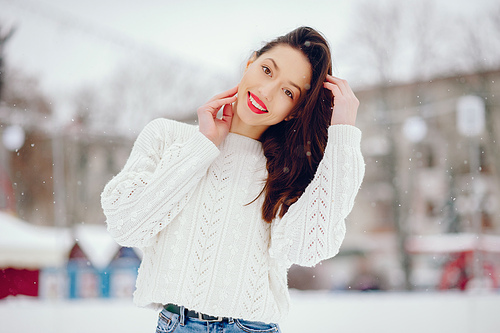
(166, 163)
(314, 226)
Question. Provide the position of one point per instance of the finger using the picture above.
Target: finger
(329, 77)
(341, 96)
(215, 105)
(334, 88)
(226, 93)
(227, 113)
(343, 85)
(335, 79)
(340, 90)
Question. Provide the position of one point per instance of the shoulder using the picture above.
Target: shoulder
(161, 133)
(168, 129)
(169, 125)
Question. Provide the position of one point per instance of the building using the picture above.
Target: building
(423, 177)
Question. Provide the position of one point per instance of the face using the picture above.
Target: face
(271, 86)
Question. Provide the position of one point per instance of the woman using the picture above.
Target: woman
(221, 211)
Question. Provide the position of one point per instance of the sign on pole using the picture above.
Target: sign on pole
(470, 115)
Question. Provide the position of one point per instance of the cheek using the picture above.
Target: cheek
(285, 106)
(249, 75)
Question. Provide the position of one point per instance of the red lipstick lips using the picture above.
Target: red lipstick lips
(255, 104)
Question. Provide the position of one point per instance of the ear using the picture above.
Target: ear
(251, 60)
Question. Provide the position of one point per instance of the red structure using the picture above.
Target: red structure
(458, 272)
(18, 282)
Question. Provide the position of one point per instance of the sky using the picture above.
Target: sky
(68, 44)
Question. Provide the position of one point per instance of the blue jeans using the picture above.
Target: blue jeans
(170, 322)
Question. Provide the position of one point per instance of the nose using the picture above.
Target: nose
(268, 90)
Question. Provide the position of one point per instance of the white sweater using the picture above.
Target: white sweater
(185, 203)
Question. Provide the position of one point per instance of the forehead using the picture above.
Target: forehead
(292, 63)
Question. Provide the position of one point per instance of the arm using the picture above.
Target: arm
(314, 227)
(166, 163)
(162, 172)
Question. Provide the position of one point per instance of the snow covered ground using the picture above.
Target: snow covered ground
(311, 312)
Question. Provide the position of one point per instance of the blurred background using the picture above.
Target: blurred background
(80, 79)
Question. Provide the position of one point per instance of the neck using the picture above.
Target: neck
(240, 127)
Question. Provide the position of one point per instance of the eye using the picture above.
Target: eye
(266, 70)
(288, 93)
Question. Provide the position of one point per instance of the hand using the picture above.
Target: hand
(345, 103)
(212, 127)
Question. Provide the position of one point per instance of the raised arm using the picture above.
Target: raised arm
(314, 227)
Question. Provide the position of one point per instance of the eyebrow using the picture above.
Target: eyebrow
(278, 69)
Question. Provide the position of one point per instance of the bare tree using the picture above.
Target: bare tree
(375, 39)
(399, 41)
(5, 35)
(31, 165)
(478, 40)
(140, 91)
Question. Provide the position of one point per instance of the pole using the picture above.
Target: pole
(58, 180)
(476, 218)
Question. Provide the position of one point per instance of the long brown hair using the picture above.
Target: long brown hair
(294, 147)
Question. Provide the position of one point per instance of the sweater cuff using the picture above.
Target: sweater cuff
(344, 135)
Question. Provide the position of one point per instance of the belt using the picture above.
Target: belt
(192, 314)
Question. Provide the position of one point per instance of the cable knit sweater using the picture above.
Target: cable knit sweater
(189, 206)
